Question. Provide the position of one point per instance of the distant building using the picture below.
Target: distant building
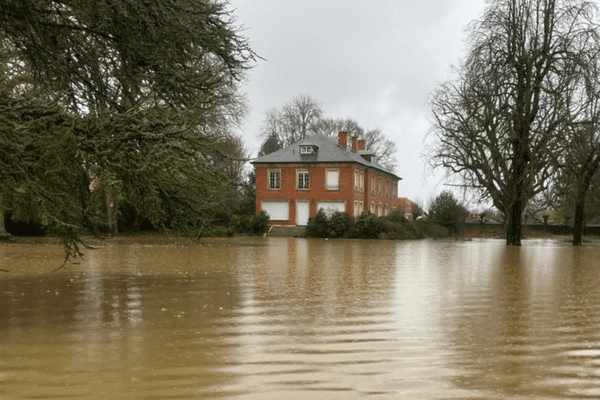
(320, 172)
(409, 208)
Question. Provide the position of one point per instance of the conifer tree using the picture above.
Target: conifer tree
(149, 85)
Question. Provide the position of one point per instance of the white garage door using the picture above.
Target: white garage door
(277, 210)
(331, 206)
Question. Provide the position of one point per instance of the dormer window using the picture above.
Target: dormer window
(370, 157)
(308, 149)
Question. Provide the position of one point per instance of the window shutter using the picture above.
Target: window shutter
(333, 180)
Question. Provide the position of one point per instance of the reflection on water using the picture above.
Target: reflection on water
(302, 319)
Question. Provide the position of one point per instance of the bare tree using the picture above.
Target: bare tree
(496, 127)
(384, 149)
(332, 126)
(578, 161)
(296, 120)
(375, 141)
(302, 117)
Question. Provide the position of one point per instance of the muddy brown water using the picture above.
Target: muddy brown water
(286, 318)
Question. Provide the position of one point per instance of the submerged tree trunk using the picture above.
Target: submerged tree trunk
(578, 221)
(514, 230)
(520, 163)
(3, 231)
(111, 212)
(582, 189)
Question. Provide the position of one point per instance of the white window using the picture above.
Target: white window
(332, 179)
(303, 181)
(372, 208)
(276, 210)
(359, 181)
(306, 149)
(358, 208)
(274, 179)
(331, 206)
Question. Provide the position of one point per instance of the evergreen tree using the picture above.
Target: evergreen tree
(149, 85)
(445, 210)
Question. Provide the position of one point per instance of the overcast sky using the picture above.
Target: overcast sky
(375, 61)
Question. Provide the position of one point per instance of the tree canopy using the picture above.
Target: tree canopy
(143, 93)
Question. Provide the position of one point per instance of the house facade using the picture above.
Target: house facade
(292, 184)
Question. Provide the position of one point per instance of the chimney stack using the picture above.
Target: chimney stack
(361, 144)
(343, 139)
(354, 138)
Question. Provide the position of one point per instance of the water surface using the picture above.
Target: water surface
(281, 318)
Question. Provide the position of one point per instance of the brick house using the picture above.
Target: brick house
(320, 172)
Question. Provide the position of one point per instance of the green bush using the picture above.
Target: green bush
(367, 226)
(395, 230)
(250, 224)
(396, 216)
(217, 231)
(340, 224)
(318, 226)
(431, 229)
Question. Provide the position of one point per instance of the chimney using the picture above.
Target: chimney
(354, 138)
(343, 139)
(362, 144)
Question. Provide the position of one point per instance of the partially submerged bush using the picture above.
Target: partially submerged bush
(318, 226)
(368, 226)
(250, 224)
(341, 224)
(431, 229)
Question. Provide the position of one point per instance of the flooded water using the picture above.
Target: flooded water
(282, 318)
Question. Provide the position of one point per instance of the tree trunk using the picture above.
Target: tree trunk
(3, 231)
(591, 167)
(111, 212)
(578, 222)
(579, 219)
(514, 229)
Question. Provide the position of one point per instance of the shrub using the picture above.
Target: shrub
(217, 231)
(318, 226)
(250, 224)
(431, 229)
(340, 224)
(367, 226)
(396, 216)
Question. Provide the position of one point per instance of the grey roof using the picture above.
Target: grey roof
(329, 152)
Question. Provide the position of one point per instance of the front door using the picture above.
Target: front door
(302, 213)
